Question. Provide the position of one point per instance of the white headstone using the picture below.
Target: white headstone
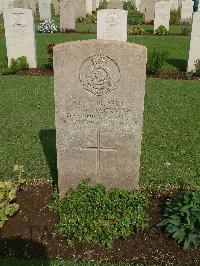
(162, 14)
(45, 9)
(56, 7)
(194, 51)
(67, 15)
(112, 24)
(89, 6)
(173, 4)
(20, 34)
(94, 5)
(187, 10)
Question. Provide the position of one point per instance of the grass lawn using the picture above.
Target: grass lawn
(171, 139)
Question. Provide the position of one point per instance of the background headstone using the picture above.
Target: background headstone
(149, 10)
(162, 14)
(115, 4)
(187, 10)
(94, 5)
(174, 4)
(80, 8)
(56, 6)
(89, 6)
(45, 9)
(20, 34)
(33, 5)
(67, 15)
(99, 104)
(112, 24)
(194, 50)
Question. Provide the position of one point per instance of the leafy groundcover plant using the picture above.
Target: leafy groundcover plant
(182, 218)
(98, 215)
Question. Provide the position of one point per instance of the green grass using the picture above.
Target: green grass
(171, 139)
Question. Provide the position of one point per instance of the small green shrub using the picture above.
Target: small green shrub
(161, 31)
(175, 16)
(15, 66)
(8, 190)
(156, 59)
(89, 19)
(136, 30)
(185, 30)
(1, 28)
(134, 16)
(97, 215)
(186, 22)
(197, 68)
(182, 218)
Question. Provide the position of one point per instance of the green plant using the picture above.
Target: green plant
(161, 31)
(156, 59)
(89, 19)
(103, 5)
(15, 66)
(50, 55)
(136, 30)
(185, 30)
(182, 218)
(98, 215)
(134, 16)
(8, 190)
(175, 16)
(197, 68)
(1, 28)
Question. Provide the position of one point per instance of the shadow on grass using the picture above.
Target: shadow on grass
(48, 140)
(19, 248)
(181, 64)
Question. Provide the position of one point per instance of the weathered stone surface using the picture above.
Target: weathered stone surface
(115, 4)
(20, 4)
(20, 34)
(174, 4)
(99, 103)
(89, 6)
(67, 15)
(112, 24)
(162, 14)
(150, 10)
(80, 8)
(45, 9)
(187, 10)
(194, 51)
(32, 4)
(94, 5)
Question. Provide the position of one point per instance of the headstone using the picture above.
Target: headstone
(20, 34)
(80, 8)
(149, 10)
(67, 15)
(45, 9)
(89, 6)
(97, 3)
(115, 4)
(162, 14)
(174, 5)
(194, 50)
(20, 4)
(187, 10)
(56, 7)
(33, 5)
(99, 104)
(142, 6)
(94, 5)
(112, 24)
(1, 6)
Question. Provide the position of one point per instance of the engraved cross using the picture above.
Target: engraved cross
(98, 149)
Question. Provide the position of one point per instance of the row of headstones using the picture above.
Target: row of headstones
(111, 25)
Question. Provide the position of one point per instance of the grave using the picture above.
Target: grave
(187, 10)
(99, 104)
(45, 9)
(115, 4)
(20, 34)
(162, 15)
(194, 50)
(112, 24)
(67, 15)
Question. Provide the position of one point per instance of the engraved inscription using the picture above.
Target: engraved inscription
(18, 19)
(98, 149)
(99, 74)
(101, 113)
(112, 19)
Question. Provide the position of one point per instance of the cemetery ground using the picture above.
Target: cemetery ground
(170, 160)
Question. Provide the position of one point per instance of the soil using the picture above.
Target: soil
(161, 75)
(28, 234)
